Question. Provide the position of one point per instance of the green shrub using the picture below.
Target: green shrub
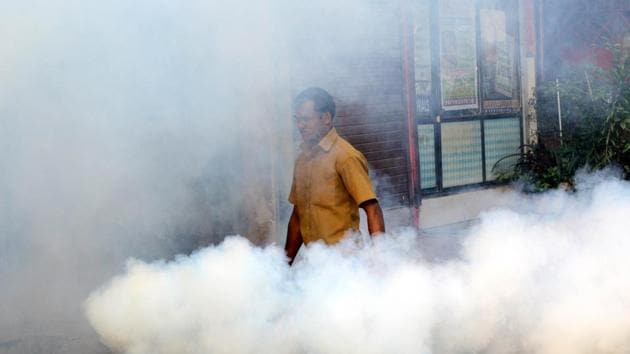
(596, 128)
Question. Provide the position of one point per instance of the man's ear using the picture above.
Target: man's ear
(327, 117)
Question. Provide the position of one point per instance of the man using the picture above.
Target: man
(330, 179)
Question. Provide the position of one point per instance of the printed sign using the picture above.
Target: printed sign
(498, 79)
(458, 55)
(422, 55)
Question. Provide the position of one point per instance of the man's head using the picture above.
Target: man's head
(314, 111)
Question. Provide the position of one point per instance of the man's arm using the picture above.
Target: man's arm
(294, 236)
(375, 221)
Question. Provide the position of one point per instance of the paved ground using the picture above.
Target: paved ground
(444, 242)
(53, 345)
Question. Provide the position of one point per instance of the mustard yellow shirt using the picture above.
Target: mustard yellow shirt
(330, 180)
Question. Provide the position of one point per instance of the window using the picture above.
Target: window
(467, 89)
(499, 80)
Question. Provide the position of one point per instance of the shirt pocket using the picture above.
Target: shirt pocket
(327, 189)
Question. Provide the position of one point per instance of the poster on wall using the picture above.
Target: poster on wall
(504, 68)
(498, 74)
(422, 55)
(458, 55)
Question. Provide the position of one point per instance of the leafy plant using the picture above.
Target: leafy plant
(596, 128)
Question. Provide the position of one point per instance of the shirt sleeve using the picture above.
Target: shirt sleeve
(354, 173)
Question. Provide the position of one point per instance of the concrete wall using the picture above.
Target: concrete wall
(461, 207)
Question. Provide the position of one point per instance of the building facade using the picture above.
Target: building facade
(433, 92)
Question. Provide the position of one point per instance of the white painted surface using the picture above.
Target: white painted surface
(448, 210)
(462, 207)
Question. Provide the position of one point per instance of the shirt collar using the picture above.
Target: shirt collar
(328, 140)
(325, 144)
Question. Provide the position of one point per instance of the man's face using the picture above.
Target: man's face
(312, 124)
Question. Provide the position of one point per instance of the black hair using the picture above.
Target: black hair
(323, 101)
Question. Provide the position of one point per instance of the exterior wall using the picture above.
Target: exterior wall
(528, 44)
(462, 207)
(576, 32)
(449, 213)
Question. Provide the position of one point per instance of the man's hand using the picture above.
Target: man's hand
(375, 221)
(294, 236)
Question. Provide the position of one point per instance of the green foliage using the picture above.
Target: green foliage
(595, 132)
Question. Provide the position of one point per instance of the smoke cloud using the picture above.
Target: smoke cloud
(147, 129)
(144, 129)
(121, 134)
(546, 275)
